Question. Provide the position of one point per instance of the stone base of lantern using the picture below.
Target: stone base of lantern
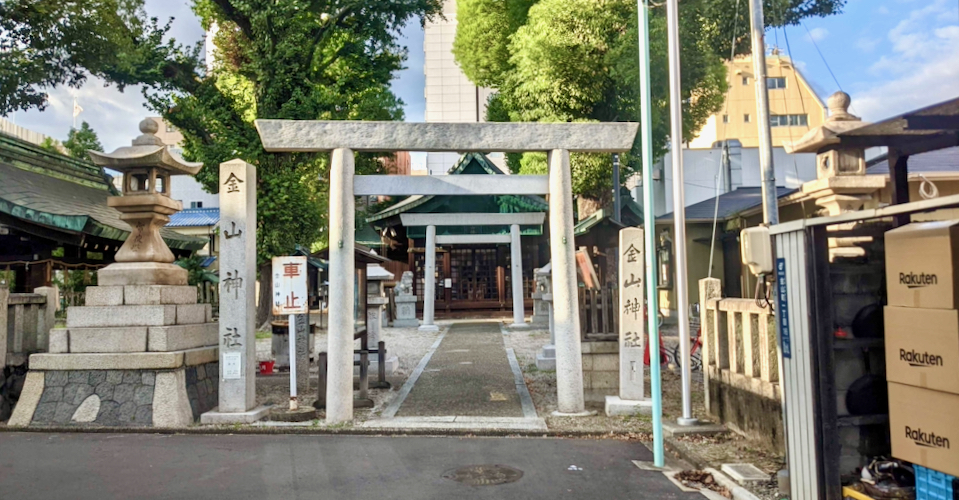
(134, 355)
(142, 273)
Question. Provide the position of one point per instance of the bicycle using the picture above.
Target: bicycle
(665, 358)
(696, 344)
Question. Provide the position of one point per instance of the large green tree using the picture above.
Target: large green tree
(295, 59)
(80, 140)
(577, 60)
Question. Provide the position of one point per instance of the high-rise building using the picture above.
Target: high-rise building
(450, 96)
(794, 107)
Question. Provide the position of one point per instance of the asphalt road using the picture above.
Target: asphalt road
(262, 467)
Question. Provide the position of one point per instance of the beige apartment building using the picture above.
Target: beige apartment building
(794, 107)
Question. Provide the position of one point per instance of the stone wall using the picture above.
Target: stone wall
(749, 414)
(202, 387)
(600, 370)
(116, 398)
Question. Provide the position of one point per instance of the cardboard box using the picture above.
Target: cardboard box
(922, 348)
(924, 427)
(921, 263)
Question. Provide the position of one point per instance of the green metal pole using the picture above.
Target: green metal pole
(649, 221)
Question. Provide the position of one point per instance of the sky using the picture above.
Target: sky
(891, 56)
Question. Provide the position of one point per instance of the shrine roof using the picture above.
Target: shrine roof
(48, 189)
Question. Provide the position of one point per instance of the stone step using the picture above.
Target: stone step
(140, 295)
(175, 338)
(124, 361)
(138, 315)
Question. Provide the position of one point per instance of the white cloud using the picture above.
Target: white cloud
(817, 34)
(922, 68)
(114, 115)
(868, 44)
(883, 10)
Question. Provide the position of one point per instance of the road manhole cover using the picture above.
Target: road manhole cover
(484, 475)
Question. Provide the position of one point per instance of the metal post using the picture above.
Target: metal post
(292, 344)
(758, 28)
(649, 220)
(617, 203)
(679, 205)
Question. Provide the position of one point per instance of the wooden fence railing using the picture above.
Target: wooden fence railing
(599, 313)
(209, 293)
(739, 344)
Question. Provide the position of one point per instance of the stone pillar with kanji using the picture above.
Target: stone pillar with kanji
(632, 336)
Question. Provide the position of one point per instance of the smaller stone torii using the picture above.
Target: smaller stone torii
(474, 219)
(345, 137)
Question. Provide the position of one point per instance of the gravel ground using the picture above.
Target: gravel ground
(408, 344)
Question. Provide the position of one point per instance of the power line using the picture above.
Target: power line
(821, 56)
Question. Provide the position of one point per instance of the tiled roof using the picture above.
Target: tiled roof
(195, 217)
(730, 204)
(60, 192)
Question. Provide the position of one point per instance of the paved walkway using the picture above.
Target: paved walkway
(288, 467)
(468, 379)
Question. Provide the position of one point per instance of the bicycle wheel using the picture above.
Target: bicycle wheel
(695, 358)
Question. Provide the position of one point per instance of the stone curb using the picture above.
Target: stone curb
(359, 431)
(697, 462)
(739, 493)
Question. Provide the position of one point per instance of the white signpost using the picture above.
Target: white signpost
(290, 297)
(632, 337)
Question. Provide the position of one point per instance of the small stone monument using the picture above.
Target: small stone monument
(405, 302)
(540, 308)
(546, 358)
(375, 317)
(632, 333)
(141, 352)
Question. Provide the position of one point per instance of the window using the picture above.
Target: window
(776, 82)
(788, 121)
(196, 204)
(170, 129)
(745, 80)
(725, 118)
(746, 118)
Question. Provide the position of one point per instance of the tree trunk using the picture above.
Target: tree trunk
(264, 307)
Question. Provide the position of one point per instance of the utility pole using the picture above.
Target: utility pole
(649, 221)
(758, 29)
(679, 207)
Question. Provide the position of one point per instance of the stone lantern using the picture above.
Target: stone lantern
(141, 351)
(144, 258)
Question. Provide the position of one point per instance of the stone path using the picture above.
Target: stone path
(468, 380)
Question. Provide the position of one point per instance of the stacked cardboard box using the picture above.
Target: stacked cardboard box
(922, 343)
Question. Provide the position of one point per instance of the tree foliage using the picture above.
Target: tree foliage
(577, 60)
(79, 141)
(295, 59)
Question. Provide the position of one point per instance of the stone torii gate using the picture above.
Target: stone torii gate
(345, 137)
(514, 221)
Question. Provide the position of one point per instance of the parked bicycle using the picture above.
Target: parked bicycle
(695, 343)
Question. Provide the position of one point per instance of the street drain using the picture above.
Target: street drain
(484, 475)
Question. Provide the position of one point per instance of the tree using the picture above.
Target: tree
(80, 141)
(295, 59)
(577, 60)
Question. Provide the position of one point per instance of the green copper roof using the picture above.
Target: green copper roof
(53, 190)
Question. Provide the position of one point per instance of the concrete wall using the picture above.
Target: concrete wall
(749, 414)
(600, 370)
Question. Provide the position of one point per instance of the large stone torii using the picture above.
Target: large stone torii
(345, 137)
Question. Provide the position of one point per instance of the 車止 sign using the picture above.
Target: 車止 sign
(289, 286)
